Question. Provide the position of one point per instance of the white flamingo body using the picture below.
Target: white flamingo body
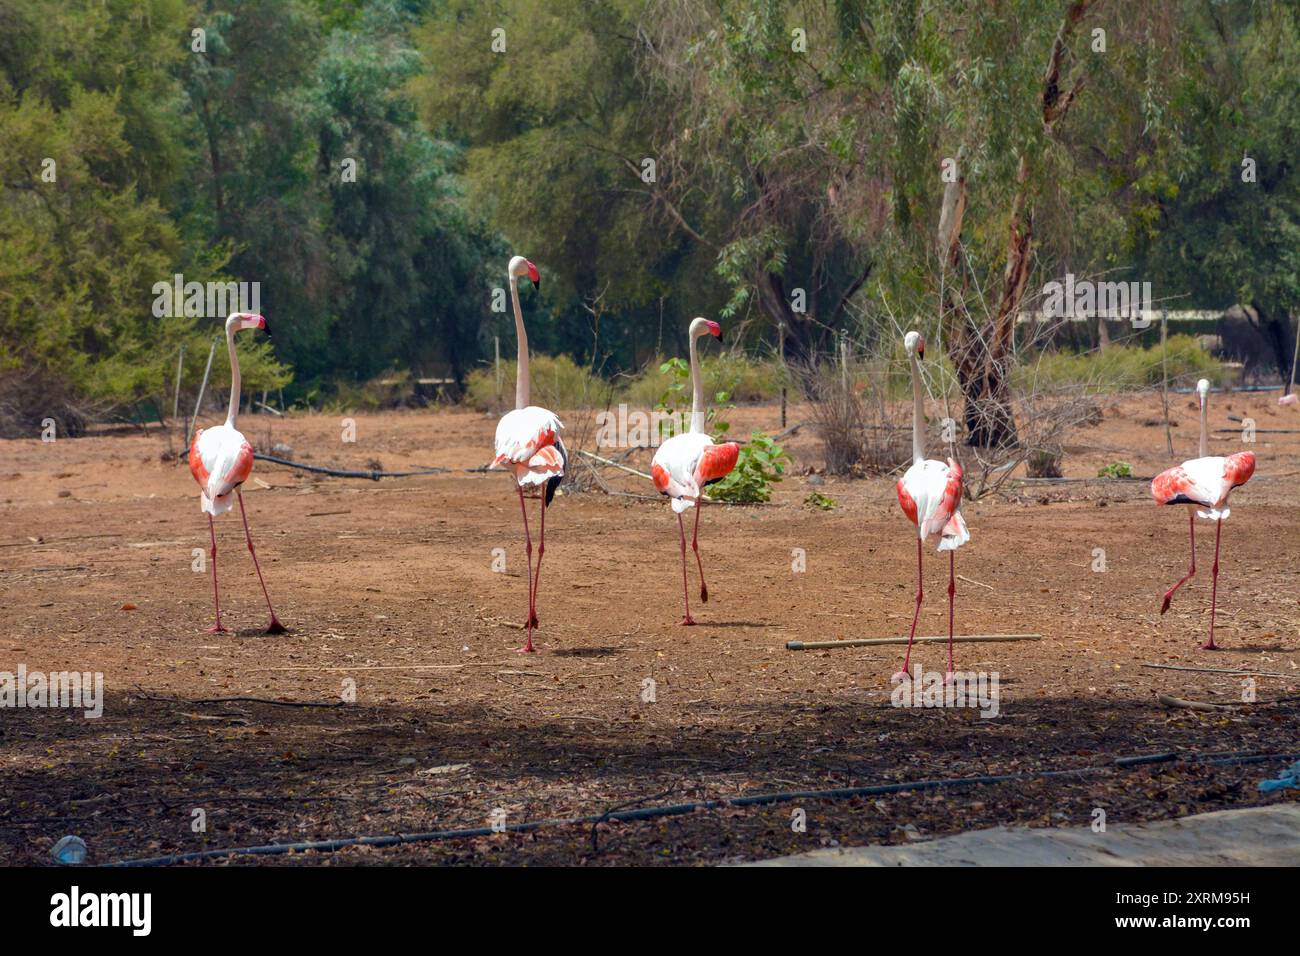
(680, 458)
(929, 484)
(1207, 482)
(227, 457)
(525, 439)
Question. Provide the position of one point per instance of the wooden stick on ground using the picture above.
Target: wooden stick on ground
(1215, 670)
(1177, 702)
(614, 464)
(877, 641)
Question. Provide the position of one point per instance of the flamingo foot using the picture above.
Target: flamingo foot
(1210, 645)
(1168, 597)
(217, 629)
(275, 627)
(901, 676)
(687, 621)
(527, 648)
(704, 593)
(948, 677)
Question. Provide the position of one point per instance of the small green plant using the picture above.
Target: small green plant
(676, 399)
(760, 465)
(819, 501)
(1119, 469)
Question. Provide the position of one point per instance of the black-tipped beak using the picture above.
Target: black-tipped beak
(266, 327)
(537, 283)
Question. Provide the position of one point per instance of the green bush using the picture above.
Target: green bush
(558, 383)
(760, 465)
(743, 378)
(1121, 366)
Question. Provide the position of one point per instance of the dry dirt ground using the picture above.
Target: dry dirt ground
(390, 587)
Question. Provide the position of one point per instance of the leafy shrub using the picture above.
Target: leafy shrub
(819, 501)
(1119, 469)
(760, 465)
(743, 379)
(558, 383)
(1121, 366)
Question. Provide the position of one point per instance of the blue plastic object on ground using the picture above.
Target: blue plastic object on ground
(1290, 778)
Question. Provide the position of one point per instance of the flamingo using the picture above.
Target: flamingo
(685, 463)
(528, 440)
(1203, 482)
(930, 495)
(220, 461)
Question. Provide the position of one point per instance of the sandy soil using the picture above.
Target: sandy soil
(391, 585)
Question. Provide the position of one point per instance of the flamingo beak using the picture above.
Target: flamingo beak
(533, 275)
(261, 324)
(715, 330)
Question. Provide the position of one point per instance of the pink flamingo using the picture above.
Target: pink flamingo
(528, 440)
(930, 494)
(1203, 482)
(221, 460)
(685, 463)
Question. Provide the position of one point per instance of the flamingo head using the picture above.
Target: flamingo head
(914, 343)
(238, 321)
(520, 267)
(703, 326)
(1203, 389)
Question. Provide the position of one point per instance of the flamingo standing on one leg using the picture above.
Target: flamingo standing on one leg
(221, 460)
(528, 439)
(685, 463)
(930, 493)
(1203, 482)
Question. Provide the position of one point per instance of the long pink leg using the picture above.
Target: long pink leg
(541, 550)
(1191, 523)
(528, 545)
(686, 594)
(216, 598)
(1214, 587)
(952, 591)
(275, 627)
(915, 615)
(695, 543)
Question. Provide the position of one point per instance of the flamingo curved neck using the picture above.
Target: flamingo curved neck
(918, 413)
(521, 367)
(697, 389)
(233, 411)
(1205, 442)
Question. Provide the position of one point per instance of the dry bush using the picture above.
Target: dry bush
(28, 396)
(861, 431)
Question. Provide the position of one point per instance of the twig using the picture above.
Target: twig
(962, 577)
(614, 464)
(237, 700)
(1177, 702)
(1215, 670)
(345, 473)
(877, 641)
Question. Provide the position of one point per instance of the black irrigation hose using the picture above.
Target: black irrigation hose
(679, 809)
(345, 473)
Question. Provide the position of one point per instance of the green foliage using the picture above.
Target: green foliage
(558, 383)
(742, 377)
(760, 465)
(1118, 469)
(1121, 366)
(819, 501)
